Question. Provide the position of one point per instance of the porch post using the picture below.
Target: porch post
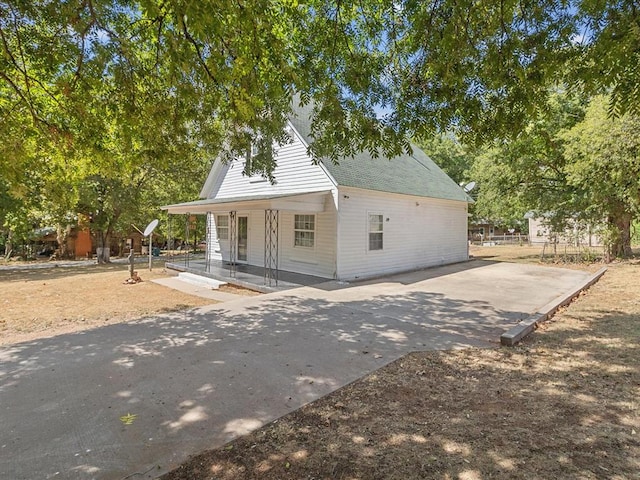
(232, 244)
(186, 239)
(270, 247)
(207, 256)
(169, 240)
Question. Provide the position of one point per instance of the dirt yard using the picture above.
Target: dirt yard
(564, 404)
(48, 301)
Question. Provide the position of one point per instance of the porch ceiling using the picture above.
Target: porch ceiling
(295, 202)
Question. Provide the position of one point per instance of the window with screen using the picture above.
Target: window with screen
(375, 231)
(304, 231)
(222, 227)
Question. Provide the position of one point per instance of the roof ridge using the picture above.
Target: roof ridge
(411, 173)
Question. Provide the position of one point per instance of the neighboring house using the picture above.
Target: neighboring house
(483, 231)
(78, 242)
(541, 232)
(360, 218)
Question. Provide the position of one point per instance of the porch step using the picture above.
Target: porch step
(200, 280)
(201, 290)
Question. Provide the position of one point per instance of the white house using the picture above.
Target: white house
(362, 217)
(575, 233)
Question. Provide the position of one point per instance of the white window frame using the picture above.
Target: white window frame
(222, 231)
(312, 231)
(376, 232)
(253, 151)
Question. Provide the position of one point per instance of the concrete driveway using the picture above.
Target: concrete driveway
(197, 379)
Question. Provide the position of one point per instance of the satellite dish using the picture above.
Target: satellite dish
(151, 227)
(147, 232)
(469, 186)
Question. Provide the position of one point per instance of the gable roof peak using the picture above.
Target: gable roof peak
(409, 173)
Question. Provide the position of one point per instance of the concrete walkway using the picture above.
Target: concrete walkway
(202, 291)
(197, 379)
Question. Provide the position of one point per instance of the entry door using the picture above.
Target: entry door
(243, 237)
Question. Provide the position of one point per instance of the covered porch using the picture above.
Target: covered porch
(247, 276)
(226, 257)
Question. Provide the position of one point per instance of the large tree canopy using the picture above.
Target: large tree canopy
(105, 96)
(577, 164)
(482, 67)
(603, 163)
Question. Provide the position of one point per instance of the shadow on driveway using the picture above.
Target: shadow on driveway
(197, 379)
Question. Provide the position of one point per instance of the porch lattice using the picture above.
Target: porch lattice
(271, 247)
(207, 258)
(186, 239)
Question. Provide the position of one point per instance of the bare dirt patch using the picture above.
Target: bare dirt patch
(43, 302)
(563, 404)
(245, 292)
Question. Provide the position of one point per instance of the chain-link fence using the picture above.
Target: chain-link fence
(571, 253)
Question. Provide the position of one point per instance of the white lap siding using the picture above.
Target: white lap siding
(417, 232)
(319, 260)
(213, 245)
(295, 173)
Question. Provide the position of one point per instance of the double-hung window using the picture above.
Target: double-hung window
(222, 227)
(304, 231)
(375, 231)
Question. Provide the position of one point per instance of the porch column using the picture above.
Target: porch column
(169, 239)
(207, 253)
(186, 239)
(232, 244)
(270, 247)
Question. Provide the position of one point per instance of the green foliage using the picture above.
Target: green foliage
(96, 116)
(635, 233)
(454, 157)
(483, 68)
(609, 53)
(527, 173)
(110, 99)
(499, 197)
(576, 165)
(603, 163)
(604, 159)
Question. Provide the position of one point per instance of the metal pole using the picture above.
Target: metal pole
(186, 242)
(150, 247)
(207, 243)
(232, 243)
(169, 237)
(267, 239)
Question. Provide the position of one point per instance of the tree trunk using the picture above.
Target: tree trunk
(622, 243)
(8, 246)
(102, 250)
(62, 234)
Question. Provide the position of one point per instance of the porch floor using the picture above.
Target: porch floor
(248, 276)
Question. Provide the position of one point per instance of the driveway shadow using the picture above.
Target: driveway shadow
(197, 379)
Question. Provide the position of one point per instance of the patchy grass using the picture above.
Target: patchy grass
(507, 253)
(48, 301)
(563, 404)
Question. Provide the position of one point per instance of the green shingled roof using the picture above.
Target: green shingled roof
(414, 174)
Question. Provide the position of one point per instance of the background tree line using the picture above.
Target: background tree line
(111, 107)
(576, 163)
